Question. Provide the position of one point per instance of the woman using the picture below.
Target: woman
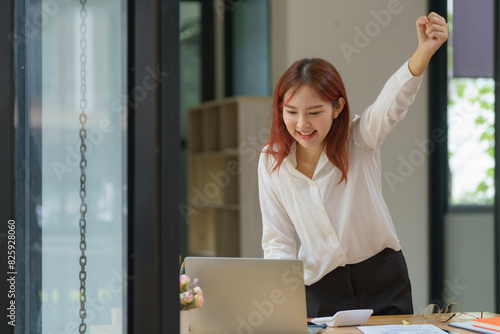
(320, 177)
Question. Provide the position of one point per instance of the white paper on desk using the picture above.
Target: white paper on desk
(397, 329)
(469, 326)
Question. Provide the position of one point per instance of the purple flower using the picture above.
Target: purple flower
(198, 297)
(190, 294)
(186, 297)
(183, 281)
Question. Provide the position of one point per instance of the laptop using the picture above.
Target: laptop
(248, 296)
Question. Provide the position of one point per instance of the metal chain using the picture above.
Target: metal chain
(83, 164)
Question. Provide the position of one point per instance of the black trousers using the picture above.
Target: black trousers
(380, 283)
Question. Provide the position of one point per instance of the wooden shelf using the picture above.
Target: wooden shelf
(214, 232)
(229, 152)
(213, 179)
(229, 126)
(194, 130)
(225, 137)
(210, 127)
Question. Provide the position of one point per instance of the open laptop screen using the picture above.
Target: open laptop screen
(248, 296)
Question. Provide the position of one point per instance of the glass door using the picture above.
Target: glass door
(71, 165)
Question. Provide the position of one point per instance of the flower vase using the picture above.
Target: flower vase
(185, 317)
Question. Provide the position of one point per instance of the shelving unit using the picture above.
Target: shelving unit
(224, 138)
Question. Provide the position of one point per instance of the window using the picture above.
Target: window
(71, 208)
(131, 101)
(471, 115)
(462, 100)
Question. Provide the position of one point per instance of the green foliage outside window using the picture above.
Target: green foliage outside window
(478, 94)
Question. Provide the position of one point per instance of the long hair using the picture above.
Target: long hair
(324, 80)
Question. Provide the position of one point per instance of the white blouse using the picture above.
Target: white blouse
(337, 224)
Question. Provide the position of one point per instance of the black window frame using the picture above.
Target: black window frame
(438, 161)
(7, 172)
(154, 166)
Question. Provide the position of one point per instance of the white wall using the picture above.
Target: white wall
(469, 264)
(317, 28)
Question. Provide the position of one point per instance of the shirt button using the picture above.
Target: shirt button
(320, 209)
(312, 184)
(330, 232)
(340, 255)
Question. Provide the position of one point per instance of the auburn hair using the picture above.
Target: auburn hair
(324, 79)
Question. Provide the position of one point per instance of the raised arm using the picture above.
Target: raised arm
(432, 32)
(400, 90)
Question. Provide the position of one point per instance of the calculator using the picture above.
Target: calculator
(346, 318)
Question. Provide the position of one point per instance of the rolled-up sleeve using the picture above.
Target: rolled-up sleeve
(390, 107)
(278, 232)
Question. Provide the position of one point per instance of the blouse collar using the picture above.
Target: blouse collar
(292, 158)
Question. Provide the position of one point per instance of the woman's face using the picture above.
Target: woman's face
(308, 118)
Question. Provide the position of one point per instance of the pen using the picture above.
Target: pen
(311, 324)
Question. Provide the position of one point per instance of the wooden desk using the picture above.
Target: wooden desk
(412, 319)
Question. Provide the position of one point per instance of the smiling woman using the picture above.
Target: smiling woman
(309, 124)
(320, 177)
(306, 85)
